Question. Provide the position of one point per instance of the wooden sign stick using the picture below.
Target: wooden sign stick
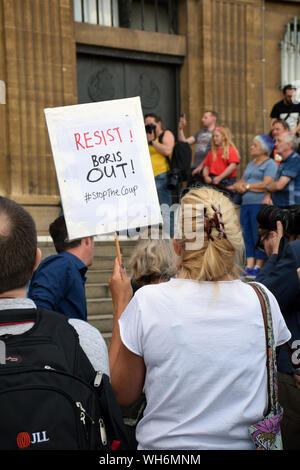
(118, 248)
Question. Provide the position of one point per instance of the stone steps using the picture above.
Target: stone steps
(97, 289)
(96, 306)
(98, 276)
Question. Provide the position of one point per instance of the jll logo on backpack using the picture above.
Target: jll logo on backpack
(24, 440)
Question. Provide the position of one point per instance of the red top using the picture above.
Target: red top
(217, 166)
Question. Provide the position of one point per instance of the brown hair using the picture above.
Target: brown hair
(18, 245)
(212, 112)
(154, 116)
(282, 122)
(59, 235)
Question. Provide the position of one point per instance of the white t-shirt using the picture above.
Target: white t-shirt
(204, 349)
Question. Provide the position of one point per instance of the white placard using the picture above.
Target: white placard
(103, 167)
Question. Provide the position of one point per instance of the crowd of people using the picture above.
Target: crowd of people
(271, 177)
(188, 360)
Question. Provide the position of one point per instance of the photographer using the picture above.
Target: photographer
(161, 144)
(280, 274)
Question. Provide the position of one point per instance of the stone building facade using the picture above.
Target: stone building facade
(217, 54)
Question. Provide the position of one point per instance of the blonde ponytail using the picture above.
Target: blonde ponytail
(221, 254)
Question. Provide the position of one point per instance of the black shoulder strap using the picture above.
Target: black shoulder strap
(66, 336)
(160, 137)
(54, 327)
(8, 317)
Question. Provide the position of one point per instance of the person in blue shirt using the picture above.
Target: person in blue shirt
(59, 281)
(258, 174)
(285, 191)
(281, 275)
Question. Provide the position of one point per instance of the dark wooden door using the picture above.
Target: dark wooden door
(101, 77)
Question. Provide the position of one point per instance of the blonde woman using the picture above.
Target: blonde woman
(220, 164)
(152, 261)
(197, 342)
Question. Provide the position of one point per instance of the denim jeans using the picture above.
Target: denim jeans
(250, 230)
(165, 199)
(225, 181)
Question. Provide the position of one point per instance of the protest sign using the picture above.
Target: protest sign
(103, 167)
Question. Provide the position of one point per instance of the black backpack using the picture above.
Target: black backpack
(180, 163)
(51, 398)
(181, 159)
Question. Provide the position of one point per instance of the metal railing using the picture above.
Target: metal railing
(147, 15)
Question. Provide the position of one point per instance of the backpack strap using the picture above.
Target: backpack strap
(168, 157)
(12, 317)
(54, 329)
(160, 137)
(58, 326)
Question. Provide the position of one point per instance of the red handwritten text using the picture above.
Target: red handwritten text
(88, 140)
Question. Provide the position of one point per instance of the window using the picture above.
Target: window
(102, 12)
(290, 53)
(158, 16)
(148, 15)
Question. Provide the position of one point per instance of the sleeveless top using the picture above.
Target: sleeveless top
(159, 162)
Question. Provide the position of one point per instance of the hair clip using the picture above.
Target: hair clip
(208, 225)
(216, 221)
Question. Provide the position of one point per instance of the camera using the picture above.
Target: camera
(268, 216)
(150, 128)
